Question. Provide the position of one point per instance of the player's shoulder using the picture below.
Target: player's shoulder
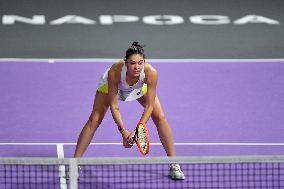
(117, 66)
(115, 70)
(151, 75)
(149, 69)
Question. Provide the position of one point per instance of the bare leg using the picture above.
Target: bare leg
(100, 107)
(165, 135)
(163, 127)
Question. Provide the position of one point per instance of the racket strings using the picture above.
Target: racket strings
(142, 138)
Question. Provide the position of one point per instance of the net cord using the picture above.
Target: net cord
(142, 160)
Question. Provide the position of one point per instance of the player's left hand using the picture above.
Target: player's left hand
(132, 137)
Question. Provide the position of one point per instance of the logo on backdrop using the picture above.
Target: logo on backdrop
(150, 20)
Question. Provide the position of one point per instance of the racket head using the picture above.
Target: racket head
(142, 138)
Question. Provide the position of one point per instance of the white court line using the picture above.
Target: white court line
(60, 150)
(153, 143)
(105, 60)
(62, 175)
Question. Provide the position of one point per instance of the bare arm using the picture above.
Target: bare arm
(113, 80)
(151, 81)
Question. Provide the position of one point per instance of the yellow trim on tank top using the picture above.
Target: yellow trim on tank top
(104, 88)
(144, 89)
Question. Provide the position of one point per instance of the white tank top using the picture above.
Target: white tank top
(126, 92)
(129, 93)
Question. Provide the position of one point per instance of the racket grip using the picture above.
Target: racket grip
(134, 138)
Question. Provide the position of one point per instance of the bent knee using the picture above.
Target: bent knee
(160, 118)
(95, 120)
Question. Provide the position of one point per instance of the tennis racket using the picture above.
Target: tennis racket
(142, 138)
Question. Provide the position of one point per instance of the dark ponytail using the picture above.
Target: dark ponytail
(135, 48)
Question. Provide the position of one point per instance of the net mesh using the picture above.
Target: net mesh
(30, 176)
(200, 172)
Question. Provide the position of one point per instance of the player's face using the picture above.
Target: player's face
(135, 64)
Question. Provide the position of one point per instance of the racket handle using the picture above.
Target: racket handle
(134, 138)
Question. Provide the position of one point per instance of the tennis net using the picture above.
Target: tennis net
(236, 172)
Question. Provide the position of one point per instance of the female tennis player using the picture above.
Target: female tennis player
(127, 80)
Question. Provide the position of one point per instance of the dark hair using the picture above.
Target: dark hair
(135, 48)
